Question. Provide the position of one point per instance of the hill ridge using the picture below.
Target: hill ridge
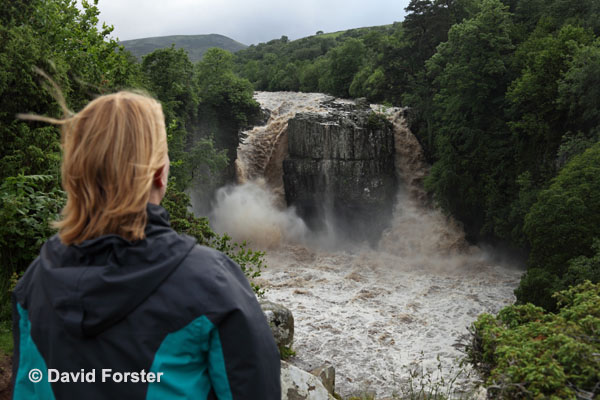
(195, 45)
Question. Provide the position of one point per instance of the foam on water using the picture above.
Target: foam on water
(376, 316)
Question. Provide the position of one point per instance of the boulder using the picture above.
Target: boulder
(281, 322)
(301, 385)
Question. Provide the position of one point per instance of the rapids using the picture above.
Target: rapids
(377, 315)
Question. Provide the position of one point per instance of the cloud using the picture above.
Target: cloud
(249, 22)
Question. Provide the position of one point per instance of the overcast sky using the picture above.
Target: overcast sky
(248, 22)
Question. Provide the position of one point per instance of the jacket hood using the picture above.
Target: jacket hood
(95, 284)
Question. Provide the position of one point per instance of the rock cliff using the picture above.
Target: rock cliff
(339, 172)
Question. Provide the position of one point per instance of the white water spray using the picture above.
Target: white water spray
(249, 212)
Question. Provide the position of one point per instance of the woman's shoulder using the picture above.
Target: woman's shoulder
(213, 270)
(206, 260)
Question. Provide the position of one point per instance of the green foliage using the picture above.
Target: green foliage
(6, 338)
(561, 226)
(286, 352)
(428, 22)
(221, 89)
(530, 354)
(343, 63)
(579, 98)
(170, 77)
(472, 148)
(28, 203)
(377, 121)
(538, 121)
(574, 144)
(584, 268)
(324, 62)
(203, 161)
(579, 88)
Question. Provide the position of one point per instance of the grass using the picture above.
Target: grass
(286, 352)
(430, 384)
(6, 339)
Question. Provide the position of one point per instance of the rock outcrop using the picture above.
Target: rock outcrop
(297, 384)
(281, 322)
(339, 171)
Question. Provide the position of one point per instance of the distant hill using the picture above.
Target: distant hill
(195, 45)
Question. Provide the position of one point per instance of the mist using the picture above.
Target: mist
(249, 212)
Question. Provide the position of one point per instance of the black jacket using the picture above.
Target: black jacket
(127, 314)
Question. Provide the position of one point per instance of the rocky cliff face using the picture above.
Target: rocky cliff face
(339, 172)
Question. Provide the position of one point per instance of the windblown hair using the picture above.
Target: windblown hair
(111, 152)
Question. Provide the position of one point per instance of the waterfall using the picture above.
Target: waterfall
(432, 234)
(263, 148)
(379, 312)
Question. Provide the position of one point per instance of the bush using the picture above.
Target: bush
(27, 205)
(526, 352)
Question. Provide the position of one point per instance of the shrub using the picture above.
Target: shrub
(526, 352)
(27, 205)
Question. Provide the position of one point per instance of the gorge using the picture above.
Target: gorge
(382, 284)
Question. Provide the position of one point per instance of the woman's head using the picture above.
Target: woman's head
(113, 151)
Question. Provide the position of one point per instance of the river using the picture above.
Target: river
(378, 314)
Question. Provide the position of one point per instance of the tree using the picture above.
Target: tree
(64, 41)
(562, 225)
(285, 78)
(473, 169)
(538, 122)
(579, 98)
(222, 89)
(427, 23)
(169, 75)
(344, 62)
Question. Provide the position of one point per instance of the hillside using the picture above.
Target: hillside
(195, 45)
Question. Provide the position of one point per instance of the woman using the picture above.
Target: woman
(118, 305)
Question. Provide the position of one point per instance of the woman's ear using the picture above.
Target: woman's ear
(159, 179)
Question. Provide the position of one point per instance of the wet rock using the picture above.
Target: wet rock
(301, 385)
(363, 395)
(281, 322)
(339, 171)
(326, 374)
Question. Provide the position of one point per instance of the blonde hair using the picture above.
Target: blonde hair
(111, 152)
